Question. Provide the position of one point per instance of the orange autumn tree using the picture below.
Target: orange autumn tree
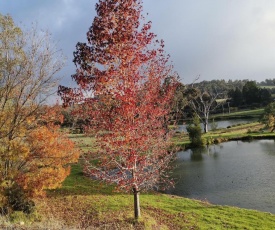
(38, 157)
(125, 89)
(50, 152)
(34, 155)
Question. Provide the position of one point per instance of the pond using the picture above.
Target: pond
(222, 124)
(235, 173)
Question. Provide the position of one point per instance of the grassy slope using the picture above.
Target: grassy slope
(240, 114)
(82, 203)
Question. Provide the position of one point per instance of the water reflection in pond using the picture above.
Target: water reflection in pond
(234, 173)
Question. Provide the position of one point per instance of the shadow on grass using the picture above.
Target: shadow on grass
(78, 184)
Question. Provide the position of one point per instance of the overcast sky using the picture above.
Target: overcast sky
(213, 39)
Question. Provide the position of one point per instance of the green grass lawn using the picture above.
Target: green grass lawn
(82, 203)
(255, 113)
(106, 209)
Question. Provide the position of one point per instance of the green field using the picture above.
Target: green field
(255, 113)
(82, 203)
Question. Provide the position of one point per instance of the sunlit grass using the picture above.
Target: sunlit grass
(85, 143)
(254, 113)
(79, 184)
(87, 204)
(160, 211)
(83, 203)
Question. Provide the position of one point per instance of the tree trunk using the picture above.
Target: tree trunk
(136, 203)
(205, 124)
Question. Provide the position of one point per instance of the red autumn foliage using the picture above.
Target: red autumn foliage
(125, 89)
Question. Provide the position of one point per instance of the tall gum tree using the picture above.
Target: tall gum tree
(126, 86)
(202, 103)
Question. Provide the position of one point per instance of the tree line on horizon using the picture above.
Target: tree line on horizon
(234, 95)
(240, 91)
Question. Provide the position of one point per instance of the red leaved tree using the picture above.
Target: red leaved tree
(125, 90)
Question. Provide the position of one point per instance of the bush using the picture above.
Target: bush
(195, 133)
(16, 200)
(209, 141)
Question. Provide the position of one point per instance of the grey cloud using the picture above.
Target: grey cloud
(211, 38)
(218, 39)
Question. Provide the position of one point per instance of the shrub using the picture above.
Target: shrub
(16, 200)
(195, 133)
(209, 141)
